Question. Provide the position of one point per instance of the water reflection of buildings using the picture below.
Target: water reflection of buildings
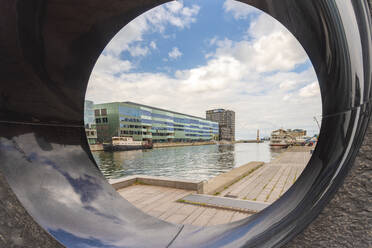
(226, 155)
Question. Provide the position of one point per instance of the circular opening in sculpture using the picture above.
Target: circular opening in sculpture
(49, 168)
(189, 93)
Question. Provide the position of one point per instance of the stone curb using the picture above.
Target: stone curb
(220, 182)
(156, 181)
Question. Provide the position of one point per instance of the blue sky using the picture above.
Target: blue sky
(194, 42)
(190, 56)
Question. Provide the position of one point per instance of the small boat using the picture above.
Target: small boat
(126, 144)
(280, 139)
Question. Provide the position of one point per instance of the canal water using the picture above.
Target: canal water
(188, 162)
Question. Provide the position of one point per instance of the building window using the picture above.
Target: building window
(103, 111)
(104, 120)
(96, 112)
(98, 120)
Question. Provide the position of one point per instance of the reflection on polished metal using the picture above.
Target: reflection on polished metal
(48, 49)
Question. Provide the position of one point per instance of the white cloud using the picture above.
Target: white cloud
(310, 90)
(174, 6)
(287, 97)
(272, 48)
(155, 20)
(107, 64)
(138, 51)
(288, 85)
(175, 53)
(238, 9)
(153, 45)
(189, 12)
(265, 25)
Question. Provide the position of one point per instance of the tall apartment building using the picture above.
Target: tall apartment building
(149, 123)
(226, 121)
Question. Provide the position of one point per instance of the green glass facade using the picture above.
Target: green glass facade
(149, 123)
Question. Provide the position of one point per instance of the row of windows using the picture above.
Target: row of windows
(131, 126)
(167, 129)
(191, 121)
(162, 134)
(160, 122)
(129, 119)
(192, 131)
(208, 134)
(146, 121)
(139, 112)
(134, 132)
(99, 112)
(162, 128)
(103, 120)
(196, 135)
(129, 111)
(162, 116)
(197, 122)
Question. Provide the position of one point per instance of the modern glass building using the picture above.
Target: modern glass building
(149, 123)
(89, 122)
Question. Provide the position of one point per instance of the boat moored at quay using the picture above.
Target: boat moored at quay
(126, 144)
(281, 139)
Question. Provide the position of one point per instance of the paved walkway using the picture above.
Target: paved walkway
(161, 202)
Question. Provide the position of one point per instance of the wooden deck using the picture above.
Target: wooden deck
(265, 184)
(272, 180)
(161, 202)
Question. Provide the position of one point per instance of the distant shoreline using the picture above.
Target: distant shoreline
(180, 144)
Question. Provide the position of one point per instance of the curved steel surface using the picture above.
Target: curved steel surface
(48, 49)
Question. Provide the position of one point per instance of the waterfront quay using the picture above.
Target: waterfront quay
(225, 198)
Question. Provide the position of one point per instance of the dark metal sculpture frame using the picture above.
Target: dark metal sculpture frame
(47, 52)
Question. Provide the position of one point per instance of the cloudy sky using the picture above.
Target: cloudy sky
(191, 56)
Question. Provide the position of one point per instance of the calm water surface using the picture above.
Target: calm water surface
(189, 162)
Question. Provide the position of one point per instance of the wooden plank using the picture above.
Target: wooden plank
(194, 215)
(204, 218)
(221, 217)
(238, 216)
